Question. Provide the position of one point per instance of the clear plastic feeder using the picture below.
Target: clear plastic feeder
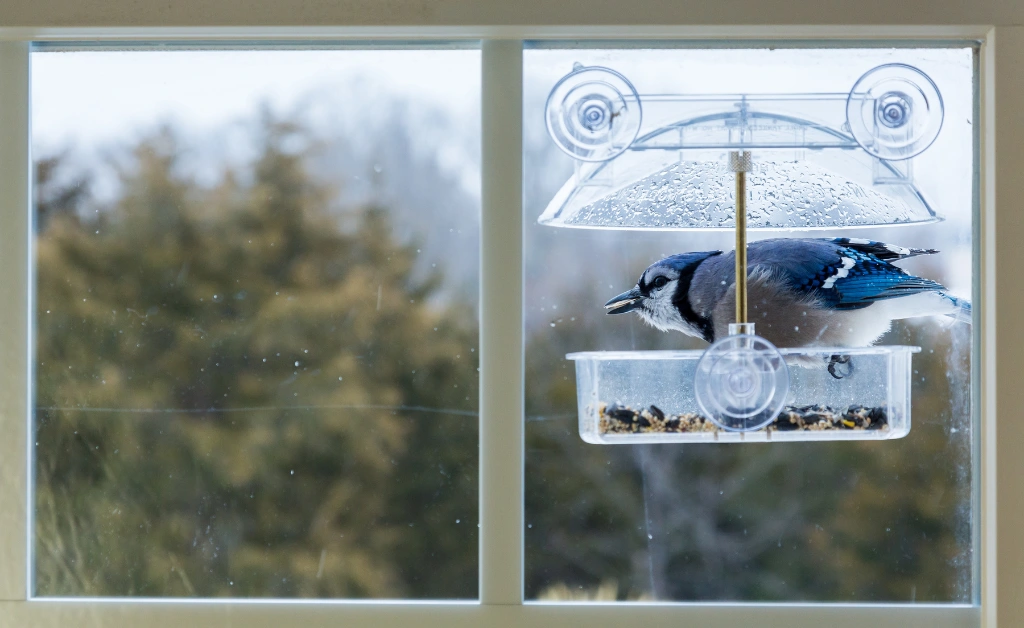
(834, 393)
(824, 161)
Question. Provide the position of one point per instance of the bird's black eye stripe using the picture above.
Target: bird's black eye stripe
(659, 281)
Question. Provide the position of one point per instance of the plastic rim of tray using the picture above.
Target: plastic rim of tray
(870, 400)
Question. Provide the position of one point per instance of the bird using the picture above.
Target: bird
(802, 292)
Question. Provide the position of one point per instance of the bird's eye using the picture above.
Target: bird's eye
(659, 282)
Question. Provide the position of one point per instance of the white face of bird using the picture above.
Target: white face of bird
(659, 309)
(652, 298)
(662, 296)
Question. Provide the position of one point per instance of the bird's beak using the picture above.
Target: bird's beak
(625, 302)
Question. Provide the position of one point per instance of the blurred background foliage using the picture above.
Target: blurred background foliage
(244, 392)
(253, 388)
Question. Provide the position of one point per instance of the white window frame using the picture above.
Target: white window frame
(499, 24)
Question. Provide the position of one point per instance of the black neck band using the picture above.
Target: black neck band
(681, 301)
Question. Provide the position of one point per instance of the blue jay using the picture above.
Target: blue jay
(801, 292)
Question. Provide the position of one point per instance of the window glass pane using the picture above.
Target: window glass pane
(881, 521)
(256, 330)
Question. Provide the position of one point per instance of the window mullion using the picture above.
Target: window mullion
(15, 242)
(501, 326)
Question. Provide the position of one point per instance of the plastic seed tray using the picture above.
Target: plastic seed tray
(834, 394)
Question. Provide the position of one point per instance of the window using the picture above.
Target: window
(502, 525)
(812, 521)
(256, 353)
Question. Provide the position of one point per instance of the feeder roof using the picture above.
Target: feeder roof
(651, 188)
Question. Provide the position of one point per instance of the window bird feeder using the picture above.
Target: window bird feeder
(694, 171)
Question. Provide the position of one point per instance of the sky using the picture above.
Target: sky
(117, 93)
(96, 101)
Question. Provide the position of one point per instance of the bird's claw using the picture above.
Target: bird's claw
(845, 366)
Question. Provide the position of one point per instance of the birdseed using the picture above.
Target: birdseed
(620, 419)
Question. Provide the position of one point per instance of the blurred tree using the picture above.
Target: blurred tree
(902, 528)
(242, 391)
(57, 191)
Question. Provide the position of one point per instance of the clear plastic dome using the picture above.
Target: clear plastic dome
(650, 188)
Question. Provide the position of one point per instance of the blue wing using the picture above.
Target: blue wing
(881, 250)
(842, 273)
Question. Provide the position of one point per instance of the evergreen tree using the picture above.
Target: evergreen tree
(242, 391)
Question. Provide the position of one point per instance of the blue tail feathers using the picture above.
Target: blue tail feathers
(962, 312)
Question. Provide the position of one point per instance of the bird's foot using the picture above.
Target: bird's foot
(840, 366)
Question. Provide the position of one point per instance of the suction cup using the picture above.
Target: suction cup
(894, 111)
(593, 113)
(741, 383)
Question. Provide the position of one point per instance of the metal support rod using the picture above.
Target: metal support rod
(739, 162)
